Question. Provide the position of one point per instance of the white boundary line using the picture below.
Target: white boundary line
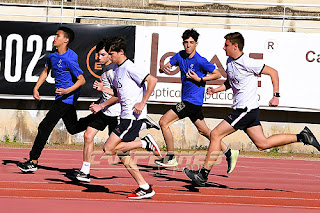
(173, 194)
(162, 202)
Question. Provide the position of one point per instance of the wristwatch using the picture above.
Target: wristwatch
(276, 94)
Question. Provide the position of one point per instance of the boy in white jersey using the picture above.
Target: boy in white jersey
(242, 77)
(104, 113)
(129, 87)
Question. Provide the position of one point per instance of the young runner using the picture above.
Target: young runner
(64, 65)
(193, 69)
(242, 77)
(104, 113)
(129, 87)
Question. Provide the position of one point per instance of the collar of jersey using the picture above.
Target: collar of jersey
(123, 62)
(238, 57)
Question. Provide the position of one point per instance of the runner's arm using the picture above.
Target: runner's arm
(152, 81)
(275, 82)
(43, 76)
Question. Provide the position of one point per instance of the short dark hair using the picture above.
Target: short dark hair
(68, 33)
(236, 38)
(103, 44)
(117, 44)
(190, 33)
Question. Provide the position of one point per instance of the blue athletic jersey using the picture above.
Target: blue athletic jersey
(65, 70)
(192, 91)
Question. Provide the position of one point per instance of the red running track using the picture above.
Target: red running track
(256, 185)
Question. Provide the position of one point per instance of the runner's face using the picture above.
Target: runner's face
(60, 39)
(115, 56)
(104, 57)
(190, 45)
(229, 48)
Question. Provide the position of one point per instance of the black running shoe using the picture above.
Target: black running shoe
(28, 166)
(195, 176)
(80, 176)
(151, 123)
(140, 193)
(309, 138)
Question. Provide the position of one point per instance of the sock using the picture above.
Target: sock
(170, 155)
(144, 186)
(143, 126)
(85, 167)
(205, 172)
(300, 137)
(227, 153)
(144, 143)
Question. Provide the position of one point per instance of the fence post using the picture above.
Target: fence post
(61, 11)
(179, 13)
(75, 11)
(284, 16)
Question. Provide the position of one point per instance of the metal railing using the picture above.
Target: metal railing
(180, 12)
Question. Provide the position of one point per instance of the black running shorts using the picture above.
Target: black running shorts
(99, 121)
(128, 129)
(243, 118)
(186, 109)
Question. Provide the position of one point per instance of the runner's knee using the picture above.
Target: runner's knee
(261, 145)
(163, 123)
(88, 138)
(214, 135)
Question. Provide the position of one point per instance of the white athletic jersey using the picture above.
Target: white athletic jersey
(107, 79)
(243, 78)
(129, 82)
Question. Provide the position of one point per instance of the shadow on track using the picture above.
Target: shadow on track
(191, 186)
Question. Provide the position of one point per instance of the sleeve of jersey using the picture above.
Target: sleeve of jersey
(138, 75)
(174, 60)
(255, 66)
(207, 66)
(73, 66)
(48, 63)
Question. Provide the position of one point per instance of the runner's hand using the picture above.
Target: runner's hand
(211, 91)
(191, 74)
(95, 108)
(274, 102)
(138, 107)
(165, 69)
(36, 95)
(61, 91)
(98, 85)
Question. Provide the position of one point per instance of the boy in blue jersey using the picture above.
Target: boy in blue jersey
(68, 79)
(193, 69)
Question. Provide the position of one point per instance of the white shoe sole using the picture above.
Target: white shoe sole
(234, 156)
(29, 170)
(144, 196)
(83, 179)
(166, 165)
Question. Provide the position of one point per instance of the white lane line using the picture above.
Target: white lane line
(162, 202)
